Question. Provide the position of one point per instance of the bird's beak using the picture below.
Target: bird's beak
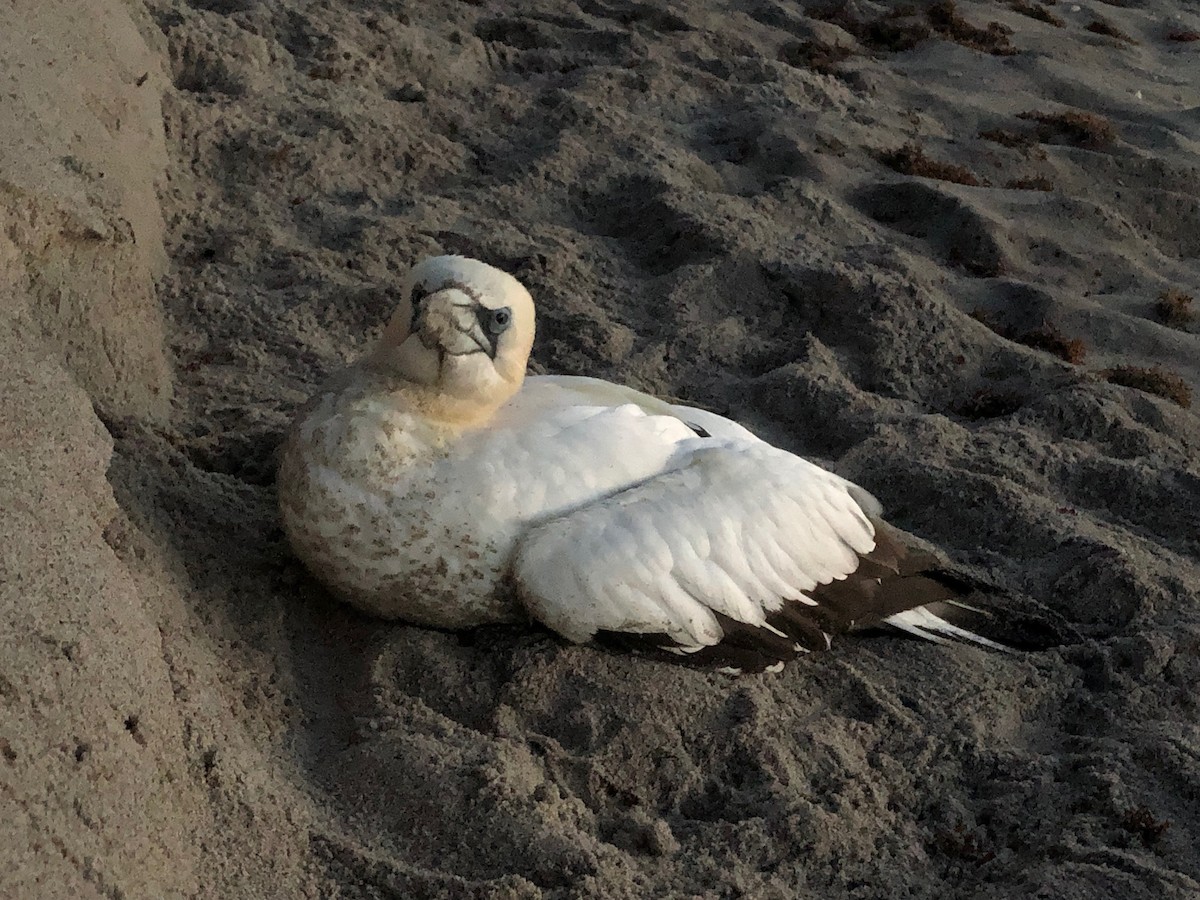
(449, 321)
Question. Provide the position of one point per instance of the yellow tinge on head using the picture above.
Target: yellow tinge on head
(461, 337)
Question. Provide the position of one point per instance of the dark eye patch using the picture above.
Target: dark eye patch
(495, 321)
(419, 293)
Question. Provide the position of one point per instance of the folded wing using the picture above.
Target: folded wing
(733, 545)
(732, 552)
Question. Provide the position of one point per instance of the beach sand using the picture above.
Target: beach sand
(948, 259)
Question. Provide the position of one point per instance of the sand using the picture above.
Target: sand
(208, 205)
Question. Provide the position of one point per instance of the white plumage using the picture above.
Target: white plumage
(433, 482)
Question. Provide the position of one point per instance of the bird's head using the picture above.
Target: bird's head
(461, 337)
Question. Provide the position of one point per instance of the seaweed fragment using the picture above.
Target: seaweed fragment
(962, 844)
(1036, 11)
(946, 20)
(1174, 308)
(1023, 141)
(1074, 126)
(911, 159)
(818, 56)
(895, 32)
(1154, 380)
(1142, 822)
(990, 404)
(1031, 183)
(1108, 29)
(1046, 337)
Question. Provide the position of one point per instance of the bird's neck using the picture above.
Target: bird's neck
(447, 410)
(460, 392)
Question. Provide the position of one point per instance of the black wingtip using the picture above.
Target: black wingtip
(745, 649)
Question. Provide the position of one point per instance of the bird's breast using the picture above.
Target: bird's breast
(371, 506)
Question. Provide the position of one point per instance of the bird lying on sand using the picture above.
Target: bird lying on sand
(433, 482)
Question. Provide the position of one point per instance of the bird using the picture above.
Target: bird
(433, 481)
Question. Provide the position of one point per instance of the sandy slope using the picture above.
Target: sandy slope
(695, 195)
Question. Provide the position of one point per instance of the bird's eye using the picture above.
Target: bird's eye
(499, 320)
(419, 293)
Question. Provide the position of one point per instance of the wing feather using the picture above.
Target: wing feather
(721, 548)
(734, 531)
(592, 391)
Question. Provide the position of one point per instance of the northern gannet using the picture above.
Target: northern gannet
(432, 481)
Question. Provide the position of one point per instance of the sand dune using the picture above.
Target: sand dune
(948, 258)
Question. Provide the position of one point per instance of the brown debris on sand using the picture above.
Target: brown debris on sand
(1046, 337)
(1023, 141)
(990, 404)
(1017, 140)
(894, 32)
(948, 22)
(1031, 183)
(1152, 380)
(904, 27)
(1108, 29)
(962, 844)
(1142, 822)
(1072, 126)
(1037, 11)
(1174, 308)
(911, 159)
(816, 55)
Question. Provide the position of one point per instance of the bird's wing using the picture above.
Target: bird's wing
(593, 391)
(550, 451)
(730, 551)
(734, 541)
